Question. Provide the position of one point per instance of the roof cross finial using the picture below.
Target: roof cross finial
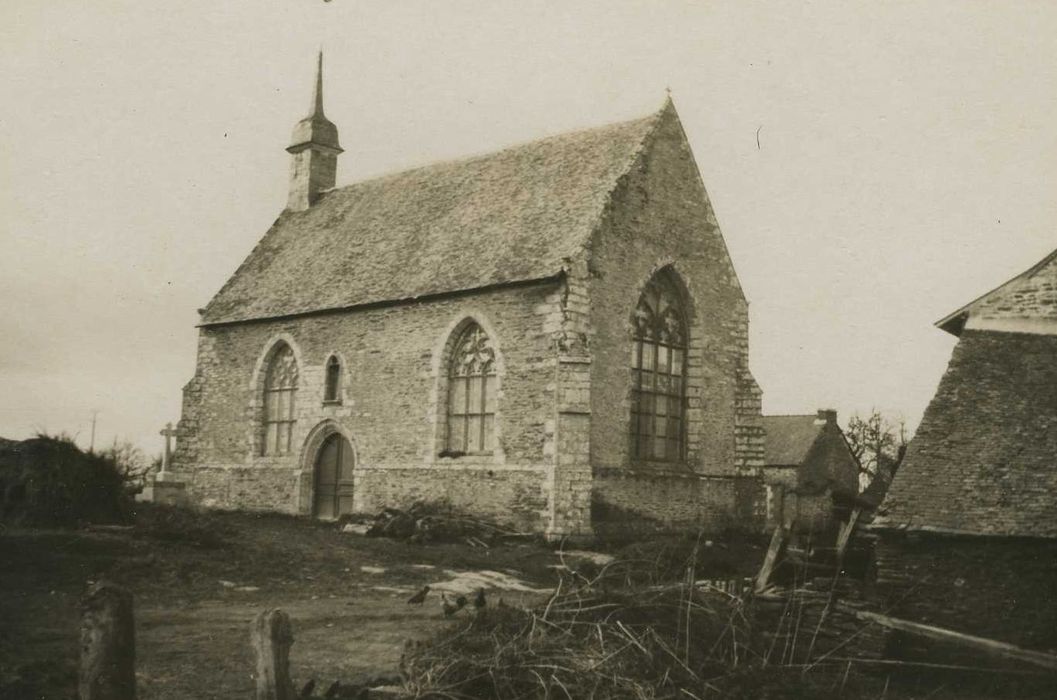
(317, 96)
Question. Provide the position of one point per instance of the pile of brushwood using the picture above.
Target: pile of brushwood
(50, 482)
(617, 634)
(437, 521)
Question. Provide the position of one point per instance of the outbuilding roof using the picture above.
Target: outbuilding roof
(789, 438)
(516, 215)
(984, 459)
(954, 323)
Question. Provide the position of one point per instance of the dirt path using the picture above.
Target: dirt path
(346, 596)
(347, 638)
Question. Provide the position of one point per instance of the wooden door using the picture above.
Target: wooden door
(333, 478)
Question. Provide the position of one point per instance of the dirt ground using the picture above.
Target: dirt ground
(199, 582)
(346, 595)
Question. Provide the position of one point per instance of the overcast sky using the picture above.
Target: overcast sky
(907, 163)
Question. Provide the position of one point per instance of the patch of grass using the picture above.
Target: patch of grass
(177, 525)
(36, 679)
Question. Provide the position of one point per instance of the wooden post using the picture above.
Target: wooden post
(763, 578)
(272, 638)
(108, 644)
(845, 533)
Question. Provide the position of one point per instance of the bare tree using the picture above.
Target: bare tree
(879, 444)
(131, 462)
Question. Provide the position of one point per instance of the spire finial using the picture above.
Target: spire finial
(317, 96)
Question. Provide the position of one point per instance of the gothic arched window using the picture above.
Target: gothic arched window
(658, 397)
(280, 389)
(332, 385)
(471, 393)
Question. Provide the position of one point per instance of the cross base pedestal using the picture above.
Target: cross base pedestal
(166, 488)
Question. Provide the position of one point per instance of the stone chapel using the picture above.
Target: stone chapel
(552, 335)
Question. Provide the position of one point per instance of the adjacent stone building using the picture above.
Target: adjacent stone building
(809, 472)
(969, 525)
(984, 459)
(553, 334)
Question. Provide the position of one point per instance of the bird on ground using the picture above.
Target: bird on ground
(461, 601)
(448, 607)
(479, 601)
(418, 597)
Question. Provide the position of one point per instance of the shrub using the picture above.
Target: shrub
(49, 481)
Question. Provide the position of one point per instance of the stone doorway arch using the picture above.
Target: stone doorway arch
(332, 477)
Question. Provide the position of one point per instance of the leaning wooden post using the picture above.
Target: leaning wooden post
(272, 638)
(108, 644)
(763, 578)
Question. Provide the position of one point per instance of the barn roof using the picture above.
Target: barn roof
(789, 438)
(954, 323)
(516, 215)
(984, 459)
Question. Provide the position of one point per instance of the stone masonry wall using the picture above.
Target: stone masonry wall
(635, 503)
(659, 216)
(995, 587)
(393, 402)
(312, 171)
(517, 495)
(1034, 297)
(564, 383)
(572, 483)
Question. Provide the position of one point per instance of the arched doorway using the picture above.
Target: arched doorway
(333, 478)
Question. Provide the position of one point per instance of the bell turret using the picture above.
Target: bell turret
(315, 150)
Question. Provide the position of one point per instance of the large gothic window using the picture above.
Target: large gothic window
(658, 398)
(471, 393)
(280, 389)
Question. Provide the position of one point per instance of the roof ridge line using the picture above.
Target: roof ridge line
(459, 160)
(609, 152)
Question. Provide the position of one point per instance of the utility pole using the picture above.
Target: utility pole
(91, 444)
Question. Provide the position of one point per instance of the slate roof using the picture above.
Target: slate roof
(954, 323)
(984, 459)
(516, 215)
(789, 438)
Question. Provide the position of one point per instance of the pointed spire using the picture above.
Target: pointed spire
(317, 96)
(316, 129)
(315, 149)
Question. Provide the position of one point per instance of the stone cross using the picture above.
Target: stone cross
(169, 434)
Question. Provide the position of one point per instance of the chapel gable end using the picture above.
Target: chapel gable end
(661, 210)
